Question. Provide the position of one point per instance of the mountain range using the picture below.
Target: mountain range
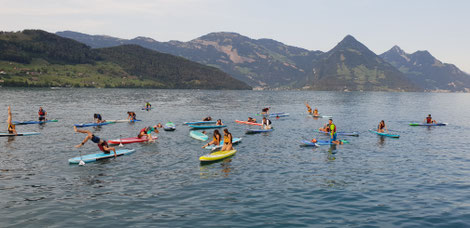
(269, 64)
(39, 58)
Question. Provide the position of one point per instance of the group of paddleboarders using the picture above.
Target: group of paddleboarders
(314, 113)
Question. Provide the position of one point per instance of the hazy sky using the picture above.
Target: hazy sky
(441, 27)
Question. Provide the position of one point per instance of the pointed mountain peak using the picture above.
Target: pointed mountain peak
(397, 50)
(349, 42)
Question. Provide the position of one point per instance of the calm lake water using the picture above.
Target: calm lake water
(421, 179)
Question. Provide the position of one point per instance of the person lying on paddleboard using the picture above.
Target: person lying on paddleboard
(333, 133)
(266, 123)
(42, 114)
(148, 132)
(131, 116)
(11, 126)
(251, 120)
(219, 122)
(265, 111)
(207, 119)
(429, 120)
(227, 141)
(215, 140)
(309, 109)
(382, 127)
(102, 144)
(98, 119)
(148, 105)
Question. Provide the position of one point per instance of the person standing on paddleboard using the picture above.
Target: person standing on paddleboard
(215, 139)
(266, 123)
(429, 120)
(102, 144)
(227, 141)
(11, 126)
(42, 114)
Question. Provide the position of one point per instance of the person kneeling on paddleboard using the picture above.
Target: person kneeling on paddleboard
(102, 144)
(315, 112)
(429, 120)
(227, 141)
(131, 116)
(382, 127)
(215, 140)
(148, 105)
(11, 126)
(42, 114)
(251, 120)
(148, 132)
(98, 119)
(266, 123)
(333, 133)
(219, 122)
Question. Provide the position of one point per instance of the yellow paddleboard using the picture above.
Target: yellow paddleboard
(217, 155)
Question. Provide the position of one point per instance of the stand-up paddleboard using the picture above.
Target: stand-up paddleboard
(320, 116)
(384, 134)
(124, 121)
(278, 115)
(307, 143)
(206, 126)
(217, 156)
(130, 140)
(33, 122)
(169, 126)
(199, 122)
(254, 131)
(213, 147)
(274, 114)
(327, 142)
(198, 135)
(426, 124)
(146, 109)
(99, 156)
(354, 133)
(93, 124)
(6, 134)
(249, 123)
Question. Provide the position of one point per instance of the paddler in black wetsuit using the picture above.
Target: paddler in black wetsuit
(102, 144)
(11, 126)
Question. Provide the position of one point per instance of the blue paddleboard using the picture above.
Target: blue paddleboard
(385, 134)
(93, 124)
(99, 156)
(206, 126)
(199, 122)
(254, 131)
(198, 135)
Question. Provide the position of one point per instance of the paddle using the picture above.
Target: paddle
(81, 163)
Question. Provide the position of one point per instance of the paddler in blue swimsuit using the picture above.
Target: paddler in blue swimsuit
(382, 127)
(11, 126)
(429, 120)
(42, 114)
(102, 144)
(98, 119)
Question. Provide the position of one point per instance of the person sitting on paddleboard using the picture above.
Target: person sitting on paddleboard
(207, 119)
(315, 112)
(98, 119)
(266, 123)
(148, 132)
(11, 126)
(42, 114)
(264, 111)
(251, 120)
(102, 144)
(382, 127)
(148, 105)
(131, 116)
(227, 141)
(333, 133)
(429, 120)
(215, 140)
(219, 122)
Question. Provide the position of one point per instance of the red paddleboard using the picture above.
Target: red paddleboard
(246, 122)
(130, 140)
